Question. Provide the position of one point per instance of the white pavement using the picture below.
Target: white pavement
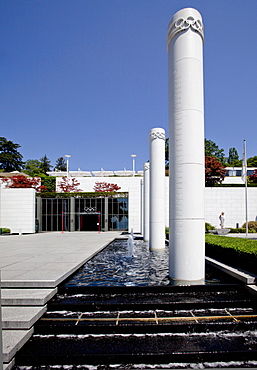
(32, 266)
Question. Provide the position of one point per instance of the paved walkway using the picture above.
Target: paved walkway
(32, 266)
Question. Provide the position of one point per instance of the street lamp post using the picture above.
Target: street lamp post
(133, 163)
(67, 163)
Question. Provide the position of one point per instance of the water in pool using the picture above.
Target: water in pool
(114, 266)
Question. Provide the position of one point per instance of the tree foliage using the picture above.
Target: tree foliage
(45, 164)
(252, 161)
(214, 171)
(233, 157)
(213, 150)
(253, 178)
(69, 184)
(60, 164)
(105, 187)
(10, 158)
(32, 167)
(21, 181)
(49, 182)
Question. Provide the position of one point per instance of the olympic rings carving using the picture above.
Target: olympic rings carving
(146, 166)
(182, 24)
(156, 135)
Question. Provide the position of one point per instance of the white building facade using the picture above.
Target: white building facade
(230, 200)
(18, 210)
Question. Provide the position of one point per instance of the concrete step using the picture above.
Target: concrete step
(13, 340)
(199, 324)
(21, 308)
(26, 297)
(137, 349)
(15, 317)
(149, 298)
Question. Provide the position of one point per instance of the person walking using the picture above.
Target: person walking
(222, 220)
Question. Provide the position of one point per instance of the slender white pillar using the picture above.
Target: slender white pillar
(146, 201)
(157, 189)
(186, 138)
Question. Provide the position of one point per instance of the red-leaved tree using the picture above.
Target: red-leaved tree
(21, 181)
(69, 184)
(253, 178)
(214, 171)
(105, 187)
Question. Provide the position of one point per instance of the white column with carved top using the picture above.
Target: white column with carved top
(146, 201)
(186, 142)
(157, 189)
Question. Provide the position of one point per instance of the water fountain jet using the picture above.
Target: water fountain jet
(130, 246)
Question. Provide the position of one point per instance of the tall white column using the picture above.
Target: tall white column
(157, 189)
(186, 138)
(146, 201)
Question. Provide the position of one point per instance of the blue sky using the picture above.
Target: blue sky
(88, 78)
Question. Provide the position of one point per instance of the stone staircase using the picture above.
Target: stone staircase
(128, 326)
(21, 308)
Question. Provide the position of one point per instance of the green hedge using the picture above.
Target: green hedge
(237, 252)
(249, 184)
(208, 227)
(241, 230)
(5, 230)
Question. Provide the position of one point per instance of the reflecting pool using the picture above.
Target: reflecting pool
(113, 266)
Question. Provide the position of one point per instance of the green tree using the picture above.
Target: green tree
(213, 150)
(32, 167)
(233, 158)
(60, 164)
(252, 161)
(45, 164)
(10, 158)
(48, 182)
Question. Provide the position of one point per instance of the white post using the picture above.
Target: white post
(133, 156)
(157, 189)
(146, 201)
(186, 142)
(67, 163)
(244, 168)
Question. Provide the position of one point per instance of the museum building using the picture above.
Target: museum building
(21, 209)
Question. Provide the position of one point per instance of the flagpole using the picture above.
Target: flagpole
(245, 178)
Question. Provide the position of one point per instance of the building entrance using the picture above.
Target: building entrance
(82, 214)
(89, 222)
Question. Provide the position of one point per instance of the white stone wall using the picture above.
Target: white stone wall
(17, 210)
(217, 199)
(17, 206)
(232, 202)
(228, 200)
